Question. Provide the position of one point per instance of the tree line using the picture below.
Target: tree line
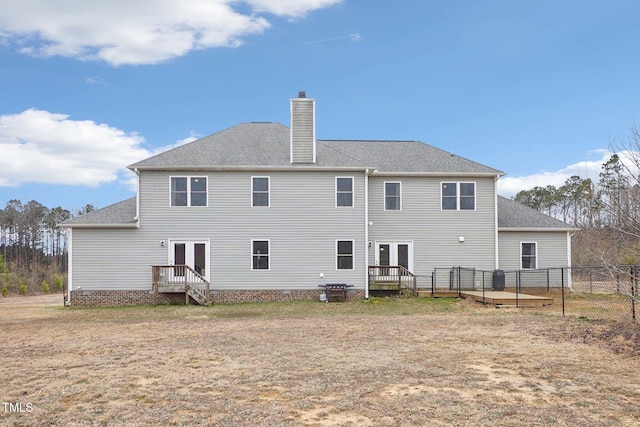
(33, 250)
(606, 210)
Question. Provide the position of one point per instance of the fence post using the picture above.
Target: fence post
(433, 282)
(633, 301)
(548, 279)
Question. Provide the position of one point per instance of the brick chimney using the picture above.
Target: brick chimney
(303, 129)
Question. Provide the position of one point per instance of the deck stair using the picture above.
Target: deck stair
(181, 278)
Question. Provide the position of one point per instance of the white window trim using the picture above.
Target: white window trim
(353, 202)
(353, 254)
(188, 177)
(536, 257)
(457, 183)
(384, 190)
(268, 191)
(269, 255)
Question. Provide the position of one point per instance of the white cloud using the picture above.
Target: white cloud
(510, 186)
(96, 80)
(140, 31)
(43, 147)
(290, 8)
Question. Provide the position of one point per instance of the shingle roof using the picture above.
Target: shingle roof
(119, 214)
(267, 145)
(512, 214)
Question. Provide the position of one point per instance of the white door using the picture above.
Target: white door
(394, 254)
(194, 253)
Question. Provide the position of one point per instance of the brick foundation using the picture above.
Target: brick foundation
(120, 298)
(83, 298)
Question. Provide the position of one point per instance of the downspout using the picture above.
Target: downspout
(569, 236)
(69, 266)
(495, 226)
(137, 218)
(366, 233)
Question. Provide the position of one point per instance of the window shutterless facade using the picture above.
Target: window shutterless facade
(458, 196)
(188, 191)
(392, 196)
(260, 254)
(344, 255)
(260, 191)
(344, 191)
(528, 255)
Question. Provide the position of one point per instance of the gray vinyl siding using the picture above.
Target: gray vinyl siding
(301, 223)
(552, 248)
(552, 254)
(435, 233)
(113, 259)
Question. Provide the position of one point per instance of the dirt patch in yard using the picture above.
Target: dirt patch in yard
(381, 363)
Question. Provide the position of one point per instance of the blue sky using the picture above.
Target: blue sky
(539, 89)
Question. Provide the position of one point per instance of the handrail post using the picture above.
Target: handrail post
(186, 288)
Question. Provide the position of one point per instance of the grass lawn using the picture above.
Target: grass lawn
(385, 362)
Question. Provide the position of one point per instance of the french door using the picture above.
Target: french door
(194, 253)
(394, 254)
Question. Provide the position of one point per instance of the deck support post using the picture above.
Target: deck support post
(186, 290)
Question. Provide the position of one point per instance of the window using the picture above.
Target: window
(458, 196)
(344, 191)
(392, 198)
(260, 254)
(529, 257)
(260, 191)
(189, 191)
(344, 255)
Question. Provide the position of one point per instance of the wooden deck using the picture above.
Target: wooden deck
(507, 298)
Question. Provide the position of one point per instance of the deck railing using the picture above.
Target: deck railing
(392, 277)
(180, 278)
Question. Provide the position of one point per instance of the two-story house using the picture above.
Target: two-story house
(266, 212)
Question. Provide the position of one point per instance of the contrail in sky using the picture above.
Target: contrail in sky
(352, 37)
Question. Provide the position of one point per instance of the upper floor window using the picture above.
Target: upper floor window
(392, 196)
(344, 191)
(188, 191)
(458, 196)
(529, 254)
(260, 191)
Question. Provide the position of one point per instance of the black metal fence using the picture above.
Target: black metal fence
(603, 292)
(590, 292)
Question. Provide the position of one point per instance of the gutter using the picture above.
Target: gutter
(538, 230)
(367, 172)
(124, 225)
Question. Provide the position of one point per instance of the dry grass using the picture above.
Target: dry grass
(382, 363)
